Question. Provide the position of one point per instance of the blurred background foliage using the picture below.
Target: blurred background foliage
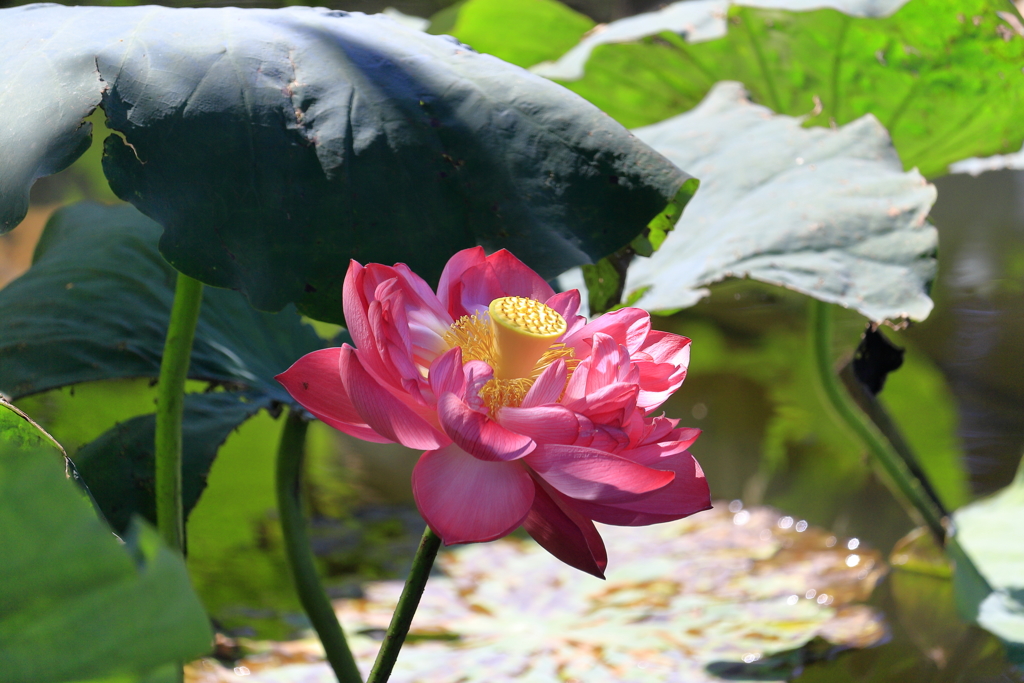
(768, 437)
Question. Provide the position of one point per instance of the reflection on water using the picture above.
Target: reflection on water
(974, 334)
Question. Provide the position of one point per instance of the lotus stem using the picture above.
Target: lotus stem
(407, 604)
(188, 297)
(874, 411)
(290, 456)
(909, 488)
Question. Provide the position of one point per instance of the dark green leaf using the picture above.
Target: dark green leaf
(119, 465)
(275, 145)
(95, 305)
(944, 78)
(73, 604)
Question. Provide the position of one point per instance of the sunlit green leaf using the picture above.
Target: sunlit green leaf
(524, 32)
(74, 605)
(944, 78)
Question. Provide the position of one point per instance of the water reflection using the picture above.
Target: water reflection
(974, 334)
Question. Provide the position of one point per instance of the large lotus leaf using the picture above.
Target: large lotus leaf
(275, 145)
(989, 530)
(944, 79)
(119, 465)
(74, 605)
(96, 302)
(827, 213)
(722, 586)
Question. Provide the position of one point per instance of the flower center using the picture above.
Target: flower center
(523, 330)
(517, 338)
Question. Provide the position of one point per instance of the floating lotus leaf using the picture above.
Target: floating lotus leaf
(720, 586)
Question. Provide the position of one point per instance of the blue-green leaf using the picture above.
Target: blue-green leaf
(96, 302)
(827, 213)
(119, 465)
(275, 145)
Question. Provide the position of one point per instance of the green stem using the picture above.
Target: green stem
(873, 409)
(407, 604)
(290, 455)
(188, 296)
(908, 486)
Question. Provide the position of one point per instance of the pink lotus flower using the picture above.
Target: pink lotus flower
(528, 415)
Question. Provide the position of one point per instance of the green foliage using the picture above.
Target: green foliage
(943, 78)
(95, 305)
(17, 430)
(606, 279)
(268, 181)
(234, 543)
(918, 397)
(65, 323)
(235, 556)
(119, 465)
(78, 606)
(524, 33)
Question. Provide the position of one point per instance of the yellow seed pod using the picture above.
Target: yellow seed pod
(523, 330)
